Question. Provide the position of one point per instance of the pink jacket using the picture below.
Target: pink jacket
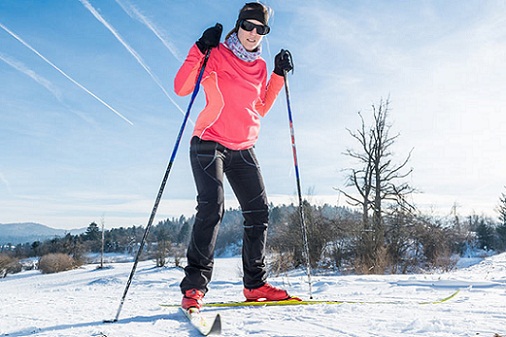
(236, 96)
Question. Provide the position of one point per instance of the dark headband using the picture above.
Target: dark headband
(254, 14)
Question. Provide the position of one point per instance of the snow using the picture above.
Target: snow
(76, 302)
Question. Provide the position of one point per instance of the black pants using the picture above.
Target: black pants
(210, 162)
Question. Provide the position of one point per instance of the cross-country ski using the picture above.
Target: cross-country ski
(291, 302)
(203, 324)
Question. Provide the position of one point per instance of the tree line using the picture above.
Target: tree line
(335, 237)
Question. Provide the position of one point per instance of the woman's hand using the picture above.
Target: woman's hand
(283, 62)
(210, 38)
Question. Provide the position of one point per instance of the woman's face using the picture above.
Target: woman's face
(250, 40)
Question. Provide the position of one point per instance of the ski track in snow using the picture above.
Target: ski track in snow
(75, 303)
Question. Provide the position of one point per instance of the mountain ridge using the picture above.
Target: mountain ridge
(23, 232)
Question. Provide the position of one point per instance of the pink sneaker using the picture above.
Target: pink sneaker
(265, 293)
(192, 299)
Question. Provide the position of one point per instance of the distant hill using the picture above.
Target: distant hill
(15, 233)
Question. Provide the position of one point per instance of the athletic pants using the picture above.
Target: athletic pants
(210, 163)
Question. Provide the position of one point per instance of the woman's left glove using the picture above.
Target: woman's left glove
(283, 62)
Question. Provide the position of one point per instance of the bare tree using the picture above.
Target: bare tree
(378, 181)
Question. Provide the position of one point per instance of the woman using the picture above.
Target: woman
(237, 94)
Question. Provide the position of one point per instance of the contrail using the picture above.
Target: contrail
(43, 82)
(139, 59)
(134, 13)
(33, 75)
(63, 73)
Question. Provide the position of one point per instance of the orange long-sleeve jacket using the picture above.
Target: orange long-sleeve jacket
(237, 94)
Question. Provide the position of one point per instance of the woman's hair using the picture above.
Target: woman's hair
(258, 9)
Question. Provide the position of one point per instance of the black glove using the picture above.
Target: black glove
(283, 62)
(210, 38)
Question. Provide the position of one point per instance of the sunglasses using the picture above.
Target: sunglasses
(248, 26)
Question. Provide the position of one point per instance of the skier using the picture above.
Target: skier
(238, 92)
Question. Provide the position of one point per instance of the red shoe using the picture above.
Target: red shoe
(192, 299)
(266, 293)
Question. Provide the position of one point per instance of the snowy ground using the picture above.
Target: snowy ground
(75, 303)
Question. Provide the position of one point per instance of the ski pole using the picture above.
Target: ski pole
(286, 53)
(164, 181)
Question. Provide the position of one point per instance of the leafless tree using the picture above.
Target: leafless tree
(378, 181)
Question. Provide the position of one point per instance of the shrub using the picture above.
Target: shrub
(55, 263)
(9, 265)
(281, 262)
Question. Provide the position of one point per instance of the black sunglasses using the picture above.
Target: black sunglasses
(249, 26)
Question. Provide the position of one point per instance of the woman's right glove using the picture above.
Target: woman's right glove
(210, 38)
(283, 62)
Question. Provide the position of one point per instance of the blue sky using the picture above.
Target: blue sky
(88, 117)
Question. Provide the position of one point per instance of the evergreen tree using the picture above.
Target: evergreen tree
(92, 232)
(485, 233)
(93, 237)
